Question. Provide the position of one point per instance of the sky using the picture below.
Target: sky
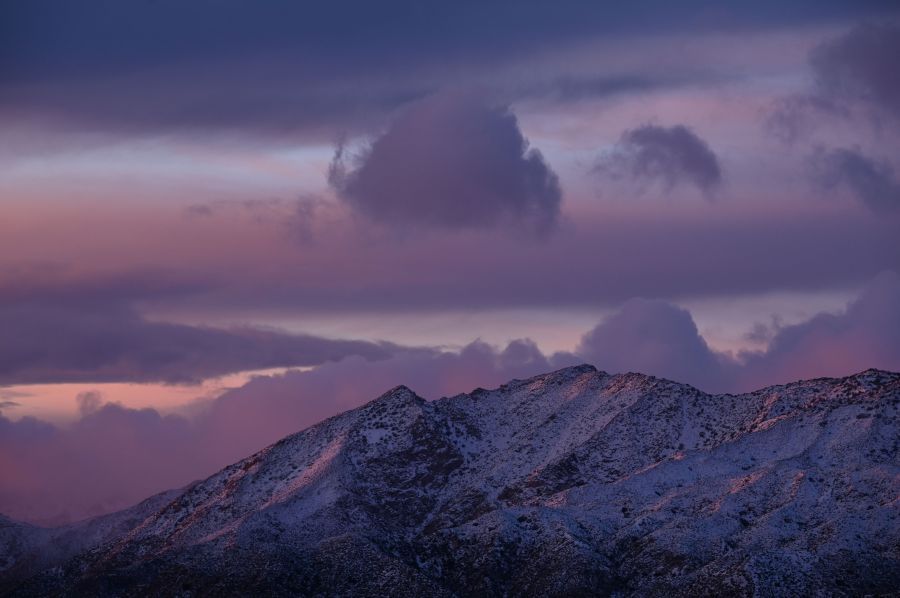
(223, 221)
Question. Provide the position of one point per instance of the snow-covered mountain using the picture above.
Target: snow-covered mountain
(574, 482)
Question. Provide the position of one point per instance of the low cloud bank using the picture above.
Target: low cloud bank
(113, 455)
(44, 343)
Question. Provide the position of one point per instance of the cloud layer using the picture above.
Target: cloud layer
(284, 68)
(451, 161)
(112, 343)
(671, 251)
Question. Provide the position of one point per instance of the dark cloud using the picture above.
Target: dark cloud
(451, 161)
(667, 155)
(43, 343)
(585, 87)
(862, 65)
(136, 66)
(8, 404)
(871, 181)
(71, 285)
(852, 71)
(49, 36)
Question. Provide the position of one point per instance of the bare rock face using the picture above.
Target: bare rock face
(571, 483)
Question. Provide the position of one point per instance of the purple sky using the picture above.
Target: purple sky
(220, 223)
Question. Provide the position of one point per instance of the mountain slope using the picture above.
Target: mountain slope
(574, 482)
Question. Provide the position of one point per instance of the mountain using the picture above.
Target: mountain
(571, 483)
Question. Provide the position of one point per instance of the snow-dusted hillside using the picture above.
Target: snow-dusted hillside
(574, 482)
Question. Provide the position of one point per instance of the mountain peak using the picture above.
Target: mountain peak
(399, 395)
(581, 368)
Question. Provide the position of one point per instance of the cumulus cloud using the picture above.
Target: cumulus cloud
(660, 338)
(451, 161)
(666, 155)
(873, 182)
(865, 335)
(657, 337)
(52, 343)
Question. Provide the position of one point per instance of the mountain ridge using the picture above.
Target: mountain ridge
(574, 481)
